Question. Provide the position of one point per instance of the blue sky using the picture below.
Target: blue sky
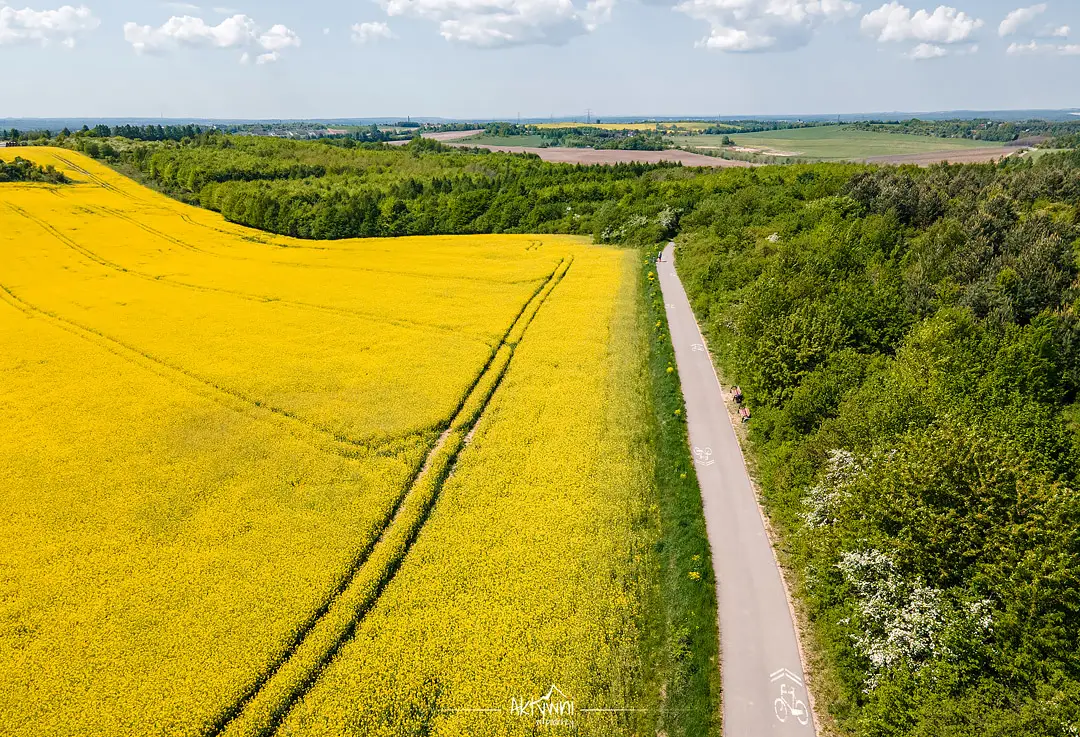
(498, 58)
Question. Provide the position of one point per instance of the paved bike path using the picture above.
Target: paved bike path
(760, 664)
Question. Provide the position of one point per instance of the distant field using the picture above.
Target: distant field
(486, 140)
(836, 142)
(695, 125)
(1038, 153)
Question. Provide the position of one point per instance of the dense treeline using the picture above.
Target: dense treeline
(144, 132)
(977, 130)
(759, 126)
(132, 132)
(1066, 140)
(21, 170)
(602, 138)
(505, 130)
(909, 343)
(583, 136)
(14, 136)
(326, 190)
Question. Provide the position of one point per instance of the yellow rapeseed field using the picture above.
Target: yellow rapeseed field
(251, 484)
(529, 574)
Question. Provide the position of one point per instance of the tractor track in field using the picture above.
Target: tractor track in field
(262, 709)
(191, 221)
(97, 180)
(325, 438)
(258, 298)
(188, 246)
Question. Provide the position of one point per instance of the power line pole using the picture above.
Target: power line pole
(588, 116)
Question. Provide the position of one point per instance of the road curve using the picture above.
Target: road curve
(761, 667)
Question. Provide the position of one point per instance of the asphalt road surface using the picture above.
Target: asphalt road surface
(761, 668)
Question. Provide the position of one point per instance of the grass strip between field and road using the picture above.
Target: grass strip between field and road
(685, 647)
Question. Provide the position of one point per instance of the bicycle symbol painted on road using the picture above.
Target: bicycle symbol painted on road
(704, 456)
(789, 704)
(697, 348)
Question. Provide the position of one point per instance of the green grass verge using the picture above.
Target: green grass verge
(1038, 153)
(686, 642)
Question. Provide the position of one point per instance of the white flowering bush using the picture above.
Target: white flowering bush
(901, 623)
(898, 623)
(822, 499)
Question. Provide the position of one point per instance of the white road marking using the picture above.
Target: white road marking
(783, 674)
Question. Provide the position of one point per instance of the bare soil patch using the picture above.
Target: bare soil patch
(444, 136)
(604, 156)
(451, 135)
(969, 156)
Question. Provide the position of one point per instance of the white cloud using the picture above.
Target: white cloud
(181, 6)
(763, 25)
(894, 22)
(236, 32)
(497, 23)
(363, 33)
(277, 38)
(1019, 22)
(1020, 18)
(928, 51)
(1029, 48)
(62, 25)
(1035, 47)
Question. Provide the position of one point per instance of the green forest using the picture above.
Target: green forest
(602, 138)
(978, 130)
(331, 189)
(908, 341)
